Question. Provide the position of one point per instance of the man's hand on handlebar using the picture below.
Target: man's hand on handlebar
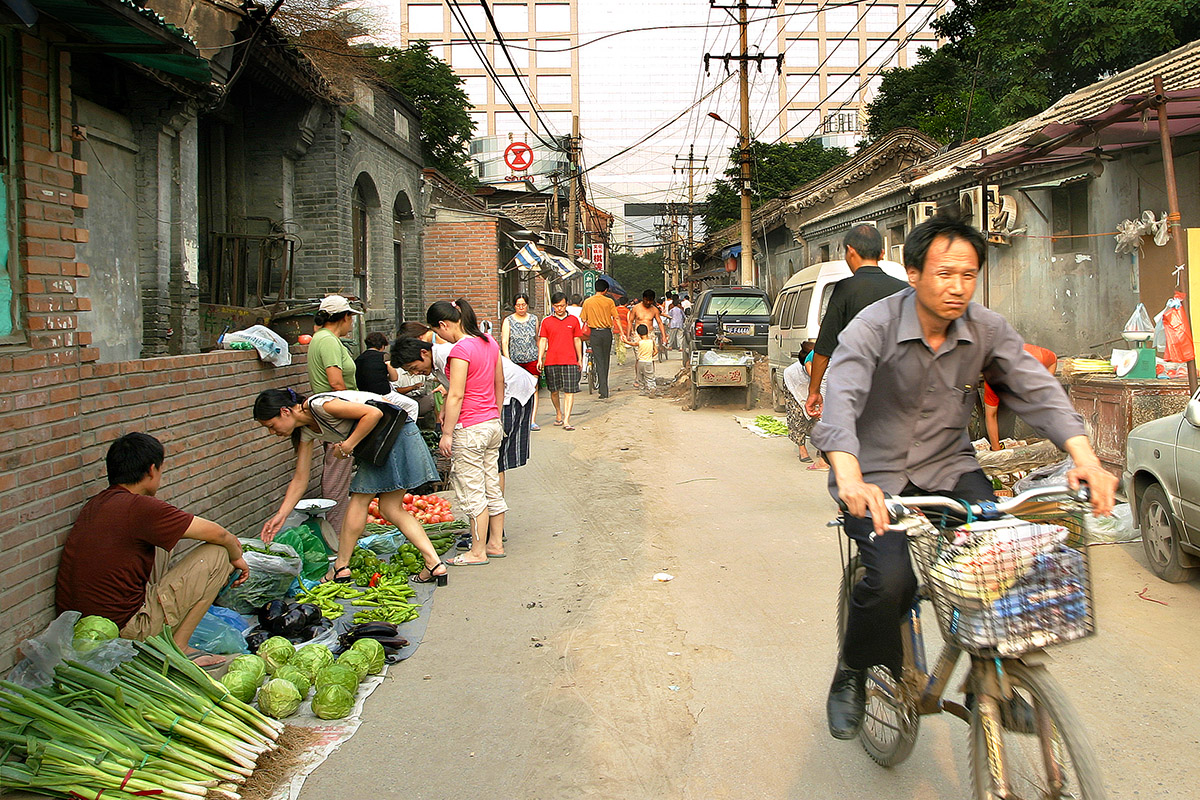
(1101, 483)
(862, 498)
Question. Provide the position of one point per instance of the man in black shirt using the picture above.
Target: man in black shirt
(866, 284)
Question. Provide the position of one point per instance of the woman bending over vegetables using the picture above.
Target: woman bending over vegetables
(342, 419)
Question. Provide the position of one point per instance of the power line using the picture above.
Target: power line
(477, 46)
(508, 56)
(908, 37)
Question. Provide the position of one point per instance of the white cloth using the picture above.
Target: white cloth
(404, 401)
(441, 354)
(519, 383)
(795, 378)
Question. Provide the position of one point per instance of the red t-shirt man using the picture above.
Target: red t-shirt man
(560, 335)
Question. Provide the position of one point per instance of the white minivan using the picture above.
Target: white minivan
(798, 311)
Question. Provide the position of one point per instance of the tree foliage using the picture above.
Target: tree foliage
(775, 169)
(1023, 55)
(638, 273)
(431, 86)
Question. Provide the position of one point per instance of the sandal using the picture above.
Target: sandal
(558, 422)
(338, 577)
(568, 427)
(805, 459)
(431, 576)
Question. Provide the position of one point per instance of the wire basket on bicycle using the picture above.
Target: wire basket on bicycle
(1004, 587)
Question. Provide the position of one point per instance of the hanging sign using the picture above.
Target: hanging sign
(598, 256)
(518, 156)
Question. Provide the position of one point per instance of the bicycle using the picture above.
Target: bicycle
(1002, 589)
(593, 380)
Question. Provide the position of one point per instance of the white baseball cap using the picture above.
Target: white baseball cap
(336, 304)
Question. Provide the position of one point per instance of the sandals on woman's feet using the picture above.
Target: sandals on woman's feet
(338, 577)
(430, 576)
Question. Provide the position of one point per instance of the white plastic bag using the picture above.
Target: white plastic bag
(271, 347)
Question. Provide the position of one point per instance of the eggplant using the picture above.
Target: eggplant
(291, 623)
(312, 614)
(371, 629)
(312, 632)
(270, 612)
(254, 639)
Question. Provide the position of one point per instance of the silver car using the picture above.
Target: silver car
(1162, 481)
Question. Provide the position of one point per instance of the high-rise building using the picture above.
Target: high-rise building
(540, 39)
(834, 56)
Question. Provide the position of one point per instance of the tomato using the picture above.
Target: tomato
(304, 338)
(408, 498)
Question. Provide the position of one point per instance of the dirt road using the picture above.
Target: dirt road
(566, 671)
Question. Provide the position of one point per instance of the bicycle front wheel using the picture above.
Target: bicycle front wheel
(1050, 760)
(891, 723)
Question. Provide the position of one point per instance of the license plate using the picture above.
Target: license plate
(739, 330)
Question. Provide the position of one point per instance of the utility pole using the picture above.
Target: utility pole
(691, 169)
(572, 187)
(744, 58)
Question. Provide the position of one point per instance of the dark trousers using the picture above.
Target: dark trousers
(882, 599)
(601, 341)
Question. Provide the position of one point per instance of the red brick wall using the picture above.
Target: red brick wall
(461, 261)
(56, 424)
(59, 409)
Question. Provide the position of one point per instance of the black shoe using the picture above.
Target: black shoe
(1016, 714)
(464, 542)
(847, 702)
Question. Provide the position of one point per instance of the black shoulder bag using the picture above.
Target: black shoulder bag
(377, 445)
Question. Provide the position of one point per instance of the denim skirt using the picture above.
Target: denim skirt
(409, 465)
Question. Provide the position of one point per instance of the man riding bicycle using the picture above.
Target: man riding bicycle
(902, 386)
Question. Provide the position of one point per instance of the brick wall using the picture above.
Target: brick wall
(56, 423)
(461, 261)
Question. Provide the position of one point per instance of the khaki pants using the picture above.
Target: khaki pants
(195, 579)
(476, 472)
(644, 372)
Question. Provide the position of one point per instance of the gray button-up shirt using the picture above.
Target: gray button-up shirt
(902, 409)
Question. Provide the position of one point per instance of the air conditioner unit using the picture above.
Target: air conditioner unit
(971, 201)
(1002, 225)
(920, 212)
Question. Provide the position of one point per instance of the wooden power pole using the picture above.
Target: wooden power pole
(573, 187)
(743, 58)
(690, 167)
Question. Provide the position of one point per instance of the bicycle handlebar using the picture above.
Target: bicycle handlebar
(900, 506)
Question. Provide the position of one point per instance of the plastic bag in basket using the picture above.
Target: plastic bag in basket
(989, 557)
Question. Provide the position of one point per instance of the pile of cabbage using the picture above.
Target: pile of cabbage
(279, 677)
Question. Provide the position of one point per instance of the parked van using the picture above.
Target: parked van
(798, 311)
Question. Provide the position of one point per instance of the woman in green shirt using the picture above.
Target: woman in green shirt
(331, 369)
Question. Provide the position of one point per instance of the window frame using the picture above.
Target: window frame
(803, 303)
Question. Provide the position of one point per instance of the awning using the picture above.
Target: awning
(561, 267)
(615, 289)
(529, 258)
(1128, 123)
(1058, 184)
(121, 29)
(732, 251)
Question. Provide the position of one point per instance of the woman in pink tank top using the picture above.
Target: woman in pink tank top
(471, 427)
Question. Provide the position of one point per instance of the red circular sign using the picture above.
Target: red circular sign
(518, 156)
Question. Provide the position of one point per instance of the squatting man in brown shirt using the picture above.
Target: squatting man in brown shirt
(902, 385)
(109, 554)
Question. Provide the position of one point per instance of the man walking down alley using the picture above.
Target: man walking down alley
(599, 313)
(866, 284)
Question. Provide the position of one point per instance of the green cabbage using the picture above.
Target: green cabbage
(357, 660)
(278, 698)
(332, 702)
(311, 658)
(339, 675)
(240, 683)
(374, 652)
(276, 651)
(91, 632)
(296, 676)
(255, 665)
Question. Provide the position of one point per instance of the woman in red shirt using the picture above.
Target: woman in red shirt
(471, 427)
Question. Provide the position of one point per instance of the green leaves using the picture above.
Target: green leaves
(431, 86)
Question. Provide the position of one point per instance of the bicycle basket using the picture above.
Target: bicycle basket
(1006, 587)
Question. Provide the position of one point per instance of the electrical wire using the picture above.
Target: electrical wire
(508, 56)
(457, 12)
(907, 38)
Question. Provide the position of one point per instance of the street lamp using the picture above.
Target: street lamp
(747, 237)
